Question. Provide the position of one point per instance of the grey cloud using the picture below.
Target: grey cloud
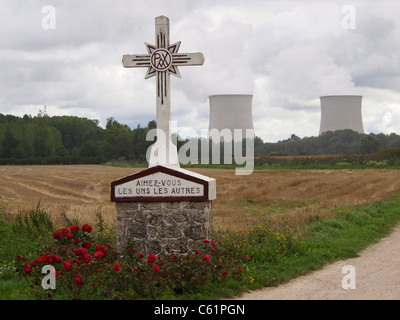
(287, 53)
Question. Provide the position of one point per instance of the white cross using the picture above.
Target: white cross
(162, 60)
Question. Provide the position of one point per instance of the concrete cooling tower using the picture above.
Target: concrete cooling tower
(341, 112)
(231, 111)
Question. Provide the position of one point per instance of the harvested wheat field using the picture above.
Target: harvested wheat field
(282, 196)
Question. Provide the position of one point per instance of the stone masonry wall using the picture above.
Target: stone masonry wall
(163, 228)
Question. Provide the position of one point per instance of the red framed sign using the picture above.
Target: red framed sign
(161, 183)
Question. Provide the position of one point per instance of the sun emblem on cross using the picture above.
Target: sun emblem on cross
(164, 59)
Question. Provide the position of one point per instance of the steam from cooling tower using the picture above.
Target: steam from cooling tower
(341, 112)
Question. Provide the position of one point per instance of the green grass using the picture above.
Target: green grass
(328, 240)
(10, 244)
(321, 242)
(25, 236)
(277, 255)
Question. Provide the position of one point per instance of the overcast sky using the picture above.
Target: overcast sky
(285, 53)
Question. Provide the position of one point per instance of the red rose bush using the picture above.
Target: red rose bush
(89, 270)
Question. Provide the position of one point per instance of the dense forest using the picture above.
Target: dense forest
(71, 140)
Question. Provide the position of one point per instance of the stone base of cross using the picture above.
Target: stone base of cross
(162, 60)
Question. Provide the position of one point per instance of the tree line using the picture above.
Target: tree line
(331, 142)
(74, 140)
(69, 140)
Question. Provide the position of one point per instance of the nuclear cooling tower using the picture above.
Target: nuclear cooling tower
(231, 111)
(341, 112)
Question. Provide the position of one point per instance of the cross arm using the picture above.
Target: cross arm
(136, 60)
(187, 59)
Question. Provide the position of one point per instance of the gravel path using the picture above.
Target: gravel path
(377, 277)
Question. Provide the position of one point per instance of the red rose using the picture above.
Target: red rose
(80, 252)
(28, 268)
(57, 235)
(156, 268)
(41, 259)
(87, 228)
(49, 258)
(87, 257)
(74, 228)
(206, 241)
(67, 265)
(78, 280)
(224, 272)
(206, 257)
(116, 266)
(151, 258)
(99, 254)
(86, 244)
(212, 243)
(240, 269)
(197, 252)
(101, 247)
(65, 232)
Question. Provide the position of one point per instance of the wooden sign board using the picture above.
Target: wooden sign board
(160, 183)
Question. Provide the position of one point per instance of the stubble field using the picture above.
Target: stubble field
(281, 196)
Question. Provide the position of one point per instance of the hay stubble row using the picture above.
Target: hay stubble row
(282, 196)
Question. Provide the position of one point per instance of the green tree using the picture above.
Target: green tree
(117, 140)
(43, 142)
(370, 144)
(10, 143)
(75, 131)
(89, 149)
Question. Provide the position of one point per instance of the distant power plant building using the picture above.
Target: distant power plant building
(231, 111)
(341, 112)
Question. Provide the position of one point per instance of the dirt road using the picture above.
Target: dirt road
(377, 277)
